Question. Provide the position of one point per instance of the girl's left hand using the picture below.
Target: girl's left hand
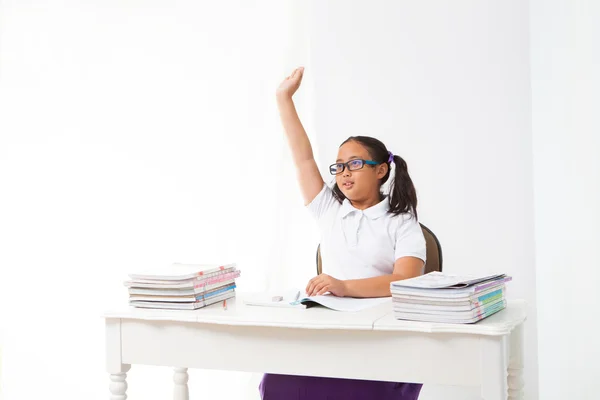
(324, 283)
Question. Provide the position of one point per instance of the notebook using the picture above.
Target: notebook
(188, 284)
(436, 284)
(179, 292)
(184, 306)
(467, 317)
(183, 298)
(179, 272)
(439, 280)
(299, 299)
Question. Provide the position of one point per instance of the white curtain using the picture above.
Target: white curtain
(136, 134)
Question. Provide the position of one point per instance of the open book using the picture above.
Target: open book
(299, 299)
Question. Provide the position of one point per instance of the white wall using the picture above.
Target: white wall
(134, 134)
(565, 60)
(446, 86)
(101, 131)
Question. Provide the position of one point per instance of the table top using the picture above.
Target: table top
(378, 318)
(238, 313)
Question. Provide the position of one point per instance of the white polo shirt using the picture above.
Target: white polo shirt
(357, 244)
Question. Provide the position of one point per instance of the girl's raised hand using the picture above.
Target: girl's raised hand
(288, 87)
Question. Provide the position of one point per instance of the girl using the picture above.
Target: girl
(368, 240)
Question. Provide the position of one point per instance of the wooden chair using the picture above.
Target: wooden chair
(434, 252)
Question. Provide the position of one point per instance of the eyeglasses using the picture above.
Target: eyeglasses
(352, 165)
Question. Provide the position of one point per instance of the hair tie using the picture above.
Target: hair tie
(391, 157)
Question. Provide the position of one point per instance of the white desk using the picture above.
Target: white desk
(369, 344)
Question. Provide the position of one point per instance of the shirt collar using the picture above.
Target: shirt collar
(373, 212)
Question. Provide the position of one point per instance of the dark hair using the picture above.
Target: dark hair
(403, 196)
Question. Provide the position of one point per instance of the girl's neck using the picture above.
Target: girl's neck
(363, 204)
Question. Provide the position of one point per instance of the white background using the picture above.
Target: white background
(565, 60)
(146, 132)
(136, 134)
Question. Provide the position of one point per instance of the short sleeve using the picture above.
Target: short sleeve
(410, 241)
(323, 204)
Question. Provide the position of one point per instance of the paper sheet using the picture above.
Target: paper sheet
(299, 299)
(438, 280)
(347, 304)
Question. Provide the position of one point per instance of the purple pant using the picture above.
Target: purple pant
(291, 387)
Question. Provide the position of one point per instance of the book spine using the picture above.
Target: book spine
(483, 286)
(486, 312)
(217, 292)
(219, 278)
(488, 298)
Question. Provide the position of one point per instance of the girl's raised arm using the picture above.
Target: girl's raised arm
(308, 173)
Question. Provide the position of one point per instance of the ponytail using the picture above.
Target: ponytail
(403, 196)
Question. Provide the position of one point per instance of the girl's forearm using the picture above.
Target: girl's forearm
(371, 287)
(295, 133)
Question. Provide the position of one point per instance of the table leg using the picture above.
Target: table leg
(515, 365)
(118, 384)
(114, 365)
(493, 367)
(180, 390)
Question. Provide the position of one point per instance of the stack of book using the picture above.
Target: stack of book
(182, 286)
(438, 297)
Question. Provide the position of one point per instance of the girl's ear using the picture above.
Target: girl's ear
(382, 169)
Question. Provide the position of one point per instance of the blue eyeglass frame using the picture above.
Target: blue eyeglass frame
(345, 165)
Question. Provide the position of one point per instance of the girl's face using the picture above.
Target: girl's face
(360, 184)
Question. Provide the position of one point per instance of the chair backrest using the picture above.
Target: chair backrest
(434, 252)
